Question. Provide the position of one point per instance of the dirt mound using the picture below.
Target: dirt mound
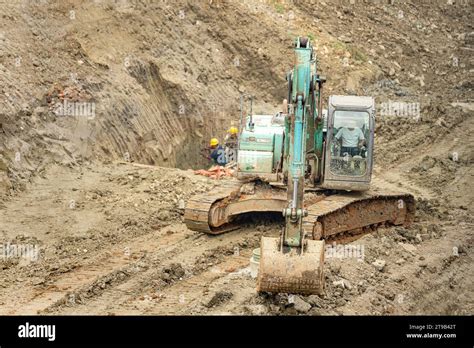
(219, 298)
(172, 273)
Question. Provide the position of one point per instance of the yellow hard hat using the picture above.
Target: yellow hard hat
(214, 142)
(233, 130)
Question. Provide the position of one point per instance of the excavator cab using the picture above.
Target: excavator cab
(348, 149)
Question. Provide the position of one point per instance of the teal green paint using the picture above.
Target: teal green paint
(278, 145)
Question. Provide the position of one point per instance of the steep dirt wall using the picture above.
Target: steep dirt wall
(163, 78)
(166, 76)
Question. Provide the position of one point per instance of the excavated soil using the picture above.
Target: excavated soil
(101, 197)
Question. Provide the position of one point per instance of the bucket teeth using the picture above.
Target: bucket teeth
(293, 271)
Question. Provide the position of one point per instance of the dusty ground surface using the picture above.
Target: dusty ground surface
(165, 77)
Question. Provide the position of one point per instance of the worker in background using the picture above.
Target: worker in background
(231, 139)
(218, 155)
(231, 144)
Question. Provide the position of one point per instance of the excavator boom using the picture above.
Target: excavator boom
(290, 263)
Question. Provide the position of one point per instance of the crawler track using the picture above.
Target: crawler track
(333, 217)
(214, 213)
(345, 217)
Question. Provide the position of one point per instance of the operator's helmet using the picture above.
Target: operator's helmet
(233, 130)
(214, 142)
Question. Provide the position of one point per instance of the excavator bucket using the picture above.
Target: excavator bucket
(291, 270)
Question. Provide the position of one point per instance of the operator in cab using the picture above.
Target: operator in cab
(352, 139)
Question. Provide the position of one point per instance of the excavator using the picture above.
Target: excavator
(312, 166)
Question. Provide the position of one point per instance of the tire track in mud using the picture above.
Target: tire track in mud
(186, 296)
(113, 260)
(201, 256)
(113, 273)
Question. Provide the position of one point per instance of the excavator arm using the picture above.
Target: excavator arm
(290, 263)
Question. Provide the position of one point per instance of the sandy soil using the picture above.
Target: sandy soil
(111, 241)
